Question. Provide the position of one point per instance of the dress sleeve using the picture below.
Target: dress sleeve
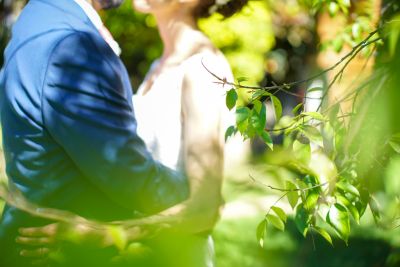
(87, 113)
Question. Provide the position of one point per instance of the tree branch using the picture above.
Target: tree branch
(355, 50)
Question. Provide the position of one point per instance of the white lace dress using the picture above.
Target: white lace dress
(159, 119)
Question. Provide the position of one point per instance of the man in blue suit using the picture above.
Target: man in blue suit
(69, 129)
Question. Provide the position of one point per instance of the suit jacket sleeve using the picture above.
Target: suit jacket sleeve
(87, 112)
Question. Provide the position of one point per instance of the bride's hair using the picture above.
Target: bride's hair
(226, 8)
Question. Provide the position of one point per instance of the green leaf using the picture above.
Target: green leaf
(346, 3)
(255, 122)
(395, 142)
(261, 231)
(242, 79)
(281, 214)
(263, 114)
(276, 222)
(363, 201)
(229, 132)
(361, 207)
(259, 93)
(313, 134)
(311, 200)
(394, 34)
(344, 6)
(299, 167)
(338, 43)
(267, 139)
(231, 98)
(314, 115)
(333, 8)
(296, 109)
(324, 234)
(314, 89)
(257, 106)
(373, 205)
(242, 116)
(293, 196)
(333, 113)
(395, 146)
(310, 180)
(277, 107)
(302, 219)
(258, 117)
(347, 187)
(328, 140)
(316, 3)
(136, 250)
(250, 131)
(338, 218)
(119, 236)
(356, 30)
(350, 207)
(302, 151)
(301, 184)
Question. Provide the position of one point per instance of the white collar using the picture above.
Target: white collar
(98, 23)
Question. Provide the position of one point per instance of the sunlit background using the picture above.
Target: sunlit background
(276, 42)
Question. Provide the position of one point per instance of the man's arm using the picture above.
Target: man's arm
(86, 111)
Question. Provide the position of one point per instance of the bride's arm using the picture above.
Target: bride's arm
(202, 105)
(202, 131)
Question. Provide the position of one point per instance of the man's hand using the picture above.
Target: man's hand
(38, 243)
(43, 245)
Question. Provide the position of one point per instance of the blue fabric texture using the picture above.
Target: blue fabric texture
(69, 130)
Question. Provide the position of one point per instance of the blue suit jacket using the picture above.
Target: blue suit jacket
(69, 129)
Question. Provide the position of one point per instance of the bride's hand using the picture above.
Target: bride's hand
(199, 213)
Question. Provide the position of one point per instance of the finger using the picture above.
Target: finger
(48, 230)
(34, 241)
(35, 253)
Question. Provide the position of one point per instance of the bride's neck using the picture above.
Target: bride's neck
(180, 35)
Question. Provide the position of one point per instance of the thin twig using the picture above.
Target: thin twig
(351, 55)
(349, 95)
(362, 44)
(276, 202)
(287, 190)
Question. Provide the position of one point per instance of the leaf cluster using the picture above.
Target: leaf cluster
(321, 203)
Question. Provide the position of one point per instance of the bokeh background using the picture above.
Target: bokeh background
(271, 42)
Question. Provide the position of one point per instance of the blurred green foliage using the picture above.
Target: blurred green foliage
(335, 199)
(245, 39)
(138, 37)
(236, 246)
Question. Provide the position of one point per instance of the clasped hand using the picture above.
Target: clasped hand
(42, 244)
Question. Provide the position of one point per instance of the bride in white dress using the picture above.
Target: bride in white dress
(180, 110)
